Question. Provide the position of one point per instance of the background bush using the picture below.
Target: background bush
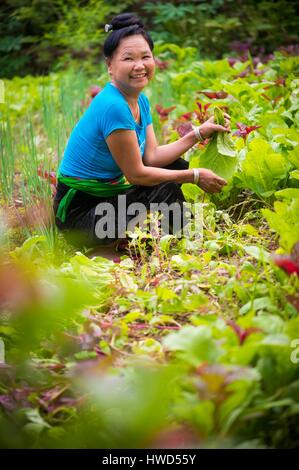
(36, 38)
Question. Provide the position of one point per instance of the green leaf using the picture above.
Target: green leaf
(261, 303)
(293, 156)
(270, 324)
(288, 194)
(36, 423)
(127, 282)
(285, 217)
(295, 174)
(191, 192)
(257, 253)
(203, 416)
(147, 346)
(220, 153)
(262, 168)
(285, 136)
(221, 165)
(241, 393)
(225, 145)
(193, 344)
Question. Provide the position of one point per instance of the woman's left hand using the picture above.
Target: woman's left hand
(208, 128)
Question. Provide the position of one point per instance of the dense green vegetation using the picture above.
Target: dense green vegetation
(35, 38)
(191, 342)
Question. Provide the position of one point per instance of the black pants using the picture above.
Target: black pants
(81, 227)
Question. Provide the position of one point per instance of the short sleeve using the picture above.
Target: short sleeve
(116, 116)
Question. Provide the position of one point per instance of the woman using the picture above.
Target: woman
(113, 151)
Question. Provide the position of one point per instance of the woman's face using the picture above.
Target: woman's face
(132, 65)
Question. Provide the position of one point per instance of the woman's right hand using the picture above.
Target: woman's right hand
(209, 181)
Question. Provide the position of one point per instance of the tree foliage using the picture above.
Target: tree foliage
(36, 38)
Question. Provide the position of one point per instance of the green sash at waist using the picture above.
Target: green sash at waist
(92, 187)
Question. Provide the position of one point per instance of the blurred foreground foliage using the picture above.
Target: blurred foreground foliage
(171, 349)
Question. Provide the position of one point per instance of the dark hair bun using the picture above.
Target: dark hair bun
(124, 20)
(122, 26)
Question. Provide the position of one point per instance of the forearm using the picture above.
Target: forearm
(166, 154)
(150, 176)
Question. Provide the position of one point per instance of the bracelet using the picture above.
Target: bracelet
(198, 135)
(196, 175)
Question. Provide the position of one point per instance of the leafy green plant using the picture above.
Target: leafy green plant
(263, 169)
(285, 217)
(220, 154)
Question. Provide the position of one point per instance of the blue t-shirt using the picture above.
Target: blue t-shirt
(87, 154)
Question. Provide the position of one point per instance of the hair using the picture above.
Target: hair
(122, 26)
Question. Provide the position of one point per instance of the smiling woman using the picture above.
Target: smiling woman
(112, 151)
